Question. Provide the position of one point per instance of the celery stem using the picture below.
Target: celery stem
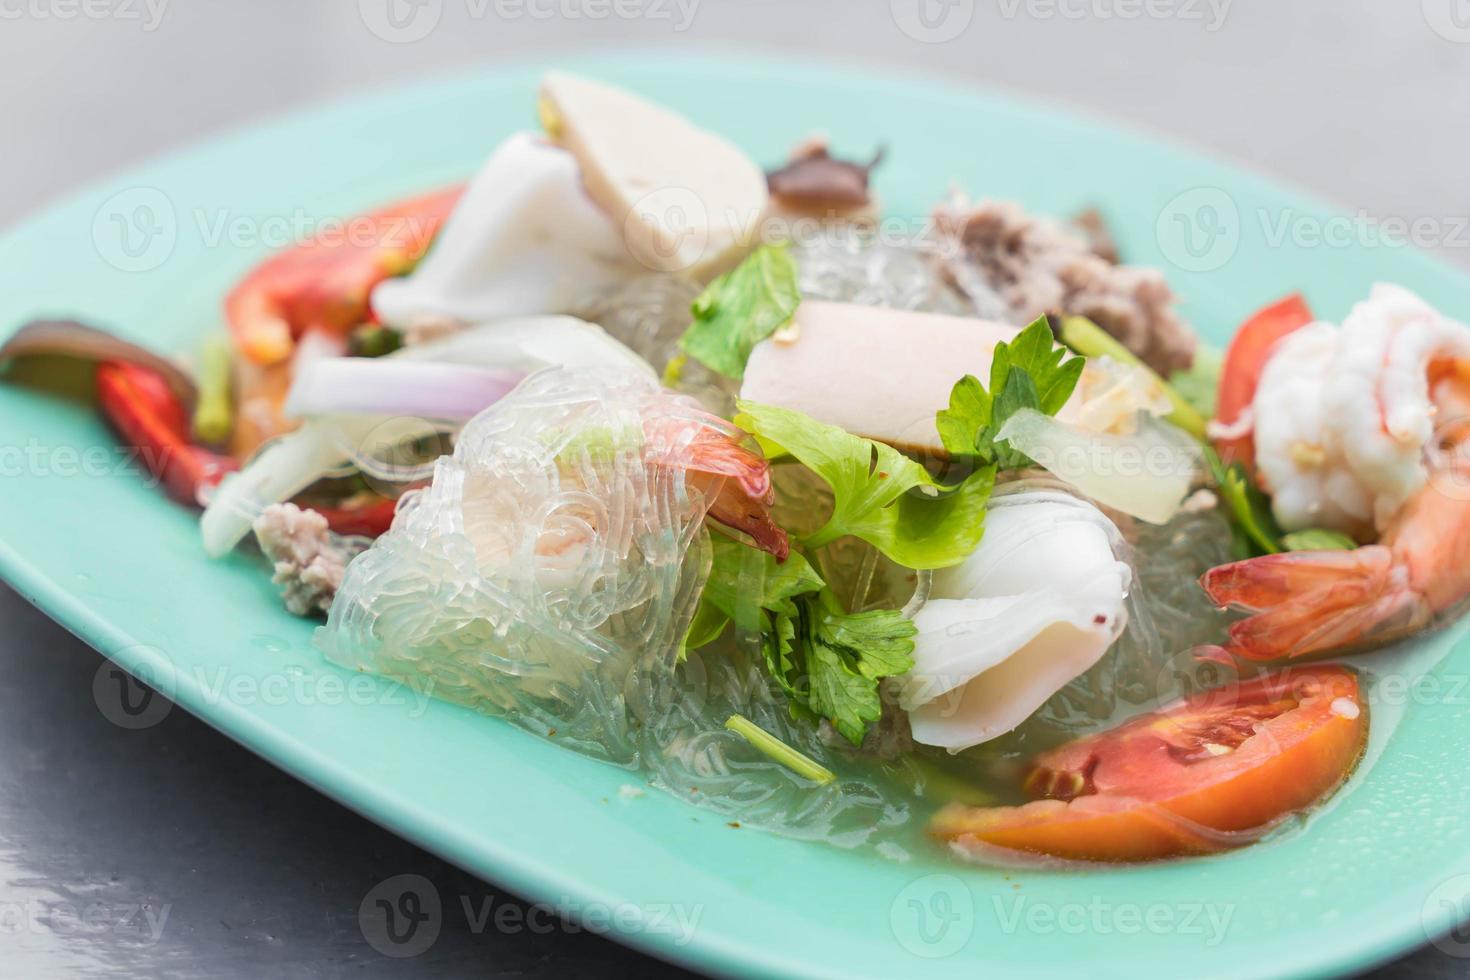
(214, 412)
(777, 750)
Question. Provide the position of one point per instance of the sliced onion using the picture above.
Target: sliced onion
(280, 471)
(324, 443)
(1146, 474)
(396, 387)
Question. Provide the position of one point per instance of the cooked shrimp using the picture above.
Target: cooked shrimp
(1313, 601)
(1380, 445)
(1343, 416)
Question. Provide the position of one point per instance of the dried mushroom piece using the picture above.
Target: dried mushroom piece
(814, 181)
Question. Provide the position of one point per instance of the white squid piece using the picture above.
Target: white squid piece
(616, 188)
(524, 239)
(1036, 605)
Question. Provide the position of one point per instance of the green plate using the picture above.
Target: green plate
(153, 251)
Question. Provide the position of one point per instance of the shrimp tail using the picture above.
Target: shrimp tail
(1308, 602)
(735, 479)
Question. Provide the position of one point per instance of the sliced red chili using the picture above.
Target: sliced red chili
(144, 411)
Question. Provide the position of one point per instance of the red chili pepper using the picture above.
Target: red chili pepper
(369, 520)
(150, 419)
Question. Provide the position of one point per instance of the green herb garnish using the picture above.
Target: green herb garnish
(880, 495)
(1256, 531)
(1029, 372)
(740, 309)
(827, 661)
(841, 657)
(777, 750)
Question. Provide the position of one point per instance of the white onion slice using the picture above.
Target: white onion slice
(323, 444)
(385, 386)
(1146, 474)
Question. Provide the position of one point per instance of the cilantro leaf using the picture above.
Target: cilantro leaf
(828, 662)
(778, 648)
(1036, 353)
(705, 627)
(842, 695)
(967, 420)
(847, 655)
(879, 494)
(1030, 371)
(740, 309)
(745, 581)
(1019, 392)
(882, 640)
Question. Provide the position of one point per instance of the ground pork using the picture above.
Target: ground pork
(309, 559)
(995, 251)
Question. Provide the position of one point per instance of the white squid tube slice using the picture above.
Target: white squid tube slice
(1036, 605)
(524, 239)
(1146, 474)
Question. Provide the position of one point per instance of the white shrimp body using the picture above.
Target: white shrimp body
(1344, 416)
(1298, 457)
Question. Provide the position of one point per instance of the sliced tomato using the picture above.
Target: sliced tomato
(1193, 778)
(324, 283)
(1245, 359)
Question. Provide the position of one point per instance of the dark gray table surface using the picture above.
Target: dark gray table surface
(169, 850)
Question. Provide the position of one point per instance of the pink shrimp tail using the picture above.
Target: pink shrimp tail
(1309, 602)
(737, 479)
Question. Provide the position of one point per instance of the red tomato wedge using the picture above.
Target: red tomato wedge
(1245, 359)
(1231, 759)
(324, 283)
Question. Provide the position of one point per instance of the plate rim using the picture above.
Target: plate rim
(1390, 937)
